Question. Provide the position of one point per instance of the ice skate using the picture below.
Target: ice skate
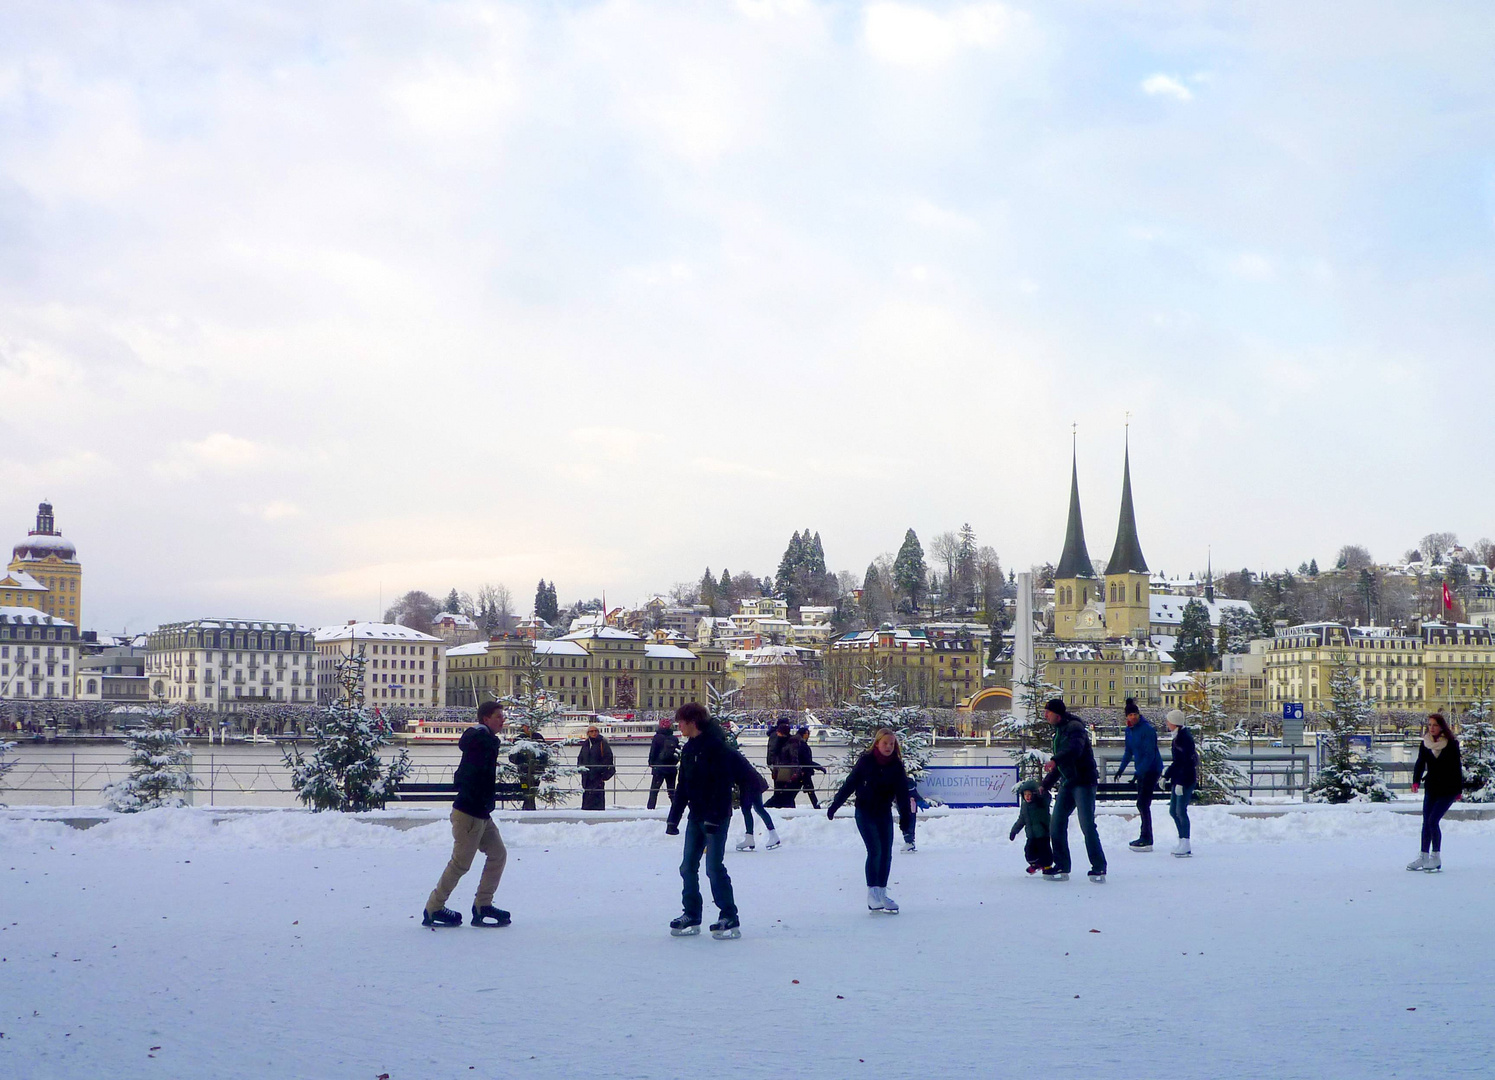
(441, 917)
(1182, 851)
(488, 915)
(1097, 877)
(685, 926)
(889, 905)
(1140, 845)
(1434, 863)
(908, 847)
(1053, 873)
(727, 928)
(746, 843)
(773, 841)
(874, 898)
(1419, 863)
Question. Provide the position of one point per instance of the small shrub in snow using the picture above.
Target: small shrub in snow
(1347, 775)
(345, 771)
(1215, 736)
(532, 762)
(725, 712)
(159, 760)
(5, 765)
(1477, 752)
(1024, 725)
(877, 707)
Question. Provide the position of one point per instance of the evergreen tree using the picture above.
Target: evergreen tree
(345, 771)
(815, 555)
(1215, 736)
(532, 762)
(725, 711)
(453, 601)
(1025, 726)
(1194, 649)
(541, 598)
(5, 765)
(552, 604)
(1347, 775)
(910, 575)
(707, 592)
(791, 572)
(1238, 627)
(877, 707)
(1477, 753)
(725, 592)
(874, 610)
(1313, 568)
(159, 762)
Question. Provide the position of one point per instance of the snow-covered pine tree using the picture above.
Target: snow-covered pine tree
(877, 707)
(345, 770)
(724, 710)
(5, 764)
(531, 761)
(1024, 725)
(159, 762)
(1215, 736)
(1477, 753)
(1347, 775)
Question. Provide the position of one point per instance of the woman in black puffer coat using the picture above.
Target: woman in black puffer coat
(879, 781)
(1440, 771)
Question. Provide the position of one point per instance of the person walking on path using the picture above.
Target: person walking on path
(785, 770)
(595, 759)
(1072, 768)
(473, 829)
(1147, 765)
(1033, 817)
(1182, 777)
(750, 789)
(708, 772)
(664, 759)
(879, 781)
(779, 733)
(531, 763)
(1440, 772)
(807, 765)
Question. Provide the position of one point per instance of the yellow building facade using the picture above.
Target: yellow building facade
(929, 670)
(50, 561)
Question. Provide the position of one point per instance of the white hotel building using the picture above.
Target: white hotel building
(405, 667)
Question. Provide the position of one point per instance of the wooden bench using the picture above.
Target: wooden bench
(448, 792)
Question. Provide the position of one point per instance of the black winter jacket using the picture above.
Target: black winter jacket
(1442, 775)
(708, 773)
(807, 757)
(878, 785)
(664, 749)
(477, 773)
(1184, 771)
(595, 759)
(1074, 758)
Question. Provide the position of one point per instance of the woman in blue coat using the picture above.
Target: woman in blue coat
(1182, 777)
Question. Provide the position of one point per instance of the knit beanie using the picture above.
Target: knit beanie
(1175, 718)
(1055, 705)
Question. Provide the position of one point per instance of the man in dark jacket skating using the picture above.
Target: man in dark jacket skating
(664, 760)
(473, 829)
(1147, 765)
(1072, 768)
(709, 770)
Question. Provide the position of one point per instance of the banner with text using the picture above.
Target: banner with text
(969, 785)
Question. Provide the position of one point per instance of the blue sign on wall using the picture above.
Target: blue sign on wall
(969, 785)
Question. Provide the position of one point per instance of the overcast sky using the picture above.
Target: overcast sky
(304, 301)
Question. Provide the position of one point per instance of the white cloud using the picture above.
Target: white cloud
(1252, 266)
(220, 452)
(1161, 85)
(910, 36)
(276, 510)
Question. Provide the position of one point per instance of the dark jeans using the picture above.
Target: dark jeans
(665, 776)
(751, 802)
(1178, 808)
(877, 834)
(1038, 852)
(1068, 799)
(1432, 814)
(712, 844)
(1147, 786)
(807, 785)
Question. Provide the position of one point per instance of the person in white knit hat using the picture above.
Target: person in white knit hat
(1182, 777)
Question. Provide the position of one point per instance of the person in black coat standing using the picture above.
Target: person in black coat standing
(1072, 768)
(807, 765)
(595, 759)
(1440, 773)
(1182, 777)
(879, 781)
(709, 770)
(664, 759)
(473, 829)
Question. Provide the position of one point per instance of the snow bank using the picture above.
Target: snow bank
(202, 828)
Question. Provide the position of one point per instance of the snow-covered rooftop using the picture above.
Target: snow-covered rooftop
(559, 648)
(610, 633)
(372, 631)
(1170, 609)
(30, 615)
(668, 652)
(19, 579)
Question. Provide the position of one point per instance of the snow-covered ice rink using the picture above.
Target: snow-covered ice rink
(287, 945)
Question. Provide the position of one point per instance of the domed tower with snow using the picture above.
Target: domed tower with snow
(52, 561)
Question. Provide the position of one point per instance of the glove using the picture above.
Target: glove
(672, 830)
(1012, 835)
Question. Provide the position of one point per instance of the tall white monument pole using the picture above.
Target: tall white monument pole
(1022, 630)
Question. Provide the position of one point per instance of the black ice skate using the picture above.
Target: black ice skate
(441, 917)
(685, 926)
(488, 915)
(727, 928)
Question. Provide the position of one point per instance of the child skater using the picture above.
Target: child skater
(1033, 815)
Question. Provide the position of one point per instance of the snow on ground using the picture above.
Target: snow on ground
(286, 944)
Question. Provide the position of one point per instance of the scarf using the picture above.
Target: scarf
(1435, 746)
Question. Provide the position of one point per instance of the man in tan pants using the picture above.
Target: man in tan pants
(473, 829)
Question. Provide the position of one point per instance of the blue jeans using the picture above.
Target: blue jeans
(1178, 808)
(1432, 815)
(877, 834)
(750, 802)
(1068, 799)
(712, 843)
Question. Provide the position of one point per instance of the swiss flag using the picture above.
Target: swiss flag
(1447, 598)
